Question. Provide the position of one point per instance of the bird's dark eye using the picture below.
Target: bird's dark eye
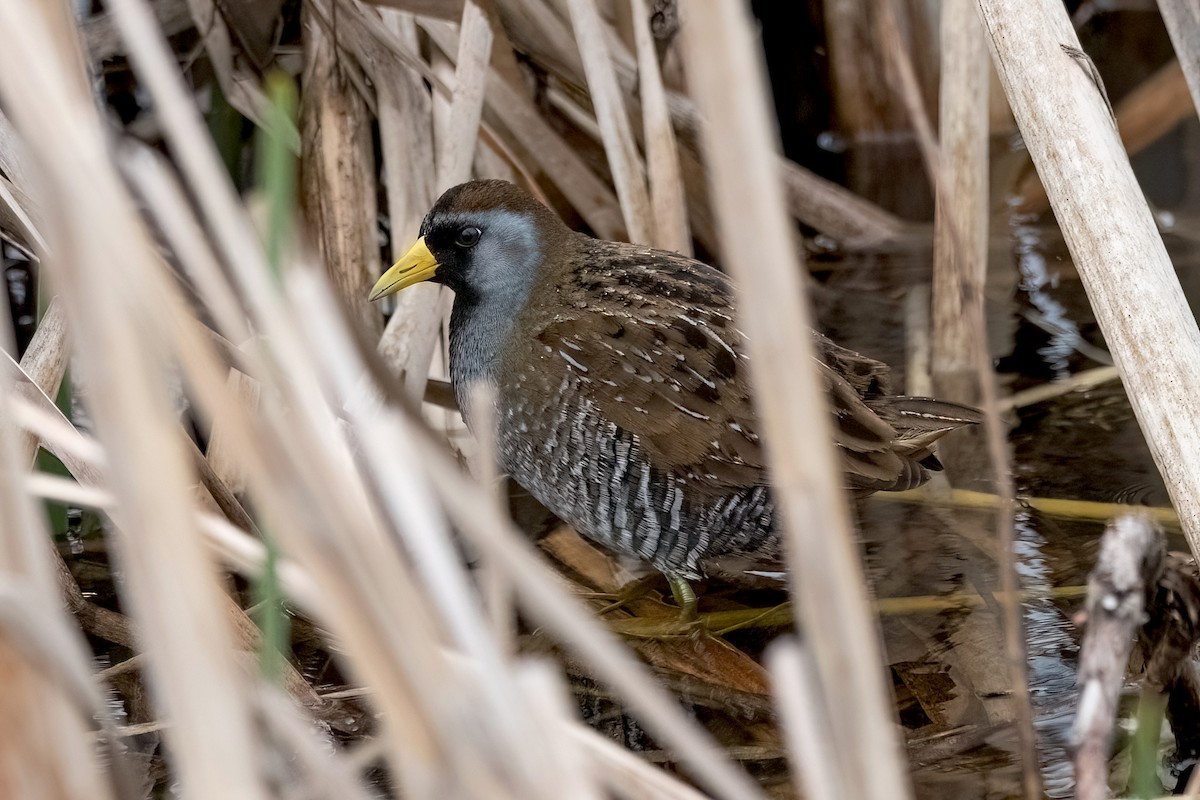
(468, 237)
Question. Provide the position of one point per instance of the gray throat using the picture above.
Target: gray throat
(477, 335)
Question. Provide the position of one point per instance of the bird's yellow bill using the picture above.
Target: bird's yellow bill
(417, 265)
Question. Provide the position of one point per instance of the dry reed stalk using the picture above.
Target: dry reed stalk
(456, 123)
(17, 214)
(337, 172)
(727, 79)
(837, 212)
(171, 584)
(1125, 267)
(1131, 557)
(160, 190)
(627, 774)
(668, 628)
(1144, 115)
(918, 378)
(405, 132)
(316, 773)
(439, 9)
(223, 460)
(466, 107)
(1078, 382)
(567, 769)
(44, 364)
(1183, 26)
(12, 158)
(662, 160)
(959, 272)
(1050, 506)
(46, 748)
(409, 164)
(959, 233)
(591, 35)
(39, 375)
(802, 713)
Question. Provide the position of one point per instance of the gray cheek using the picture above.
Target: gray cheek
(506, 257)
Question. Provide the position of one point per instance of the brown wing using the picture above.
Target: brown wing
(661, 357)
(673, 380)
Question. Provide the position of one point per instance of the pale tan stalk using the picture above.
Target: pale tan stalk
(1111, 235)
(623, 158)
(44, 363)
(1079, 382)
(1144, 115)
(837, 212)
(726, 76)
(338, 175)
(457, 147)
(962, 204)
(662, 160)
(802, 714)
(1183, 25)
(406, 139)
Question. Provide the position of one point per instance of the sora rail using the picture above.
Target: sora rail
(623, 397)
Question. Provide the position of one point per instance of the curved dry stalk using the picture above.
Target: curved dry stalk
(726, 75)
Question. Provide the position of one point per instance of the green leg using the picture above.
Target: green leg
(631, 591)
(685, 597)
